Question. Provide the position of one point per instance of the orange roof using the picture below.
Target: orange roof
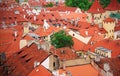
(64, 53)
(78, 45)
(114, 64)
(40, 71)
(113, 45)
(22, 62)
(96, 8)
(62, 8)
(83, 70)
(109, 20)
(75, 16)
(45, 32)
(114, 5)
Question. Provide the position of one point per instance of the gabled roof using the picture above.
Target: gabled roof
(113, 45)
(22, 62)
(109, 20)
(62, 9)
(40, 71)
(45, 32)
(96, 8)
(114, 64)
(114, 5)
(64, 53)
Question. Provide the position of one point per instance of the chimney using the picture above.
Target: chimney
(106, 67)
(86, 32)
(34, 18)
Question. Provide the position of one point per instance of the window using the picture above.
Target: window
(20, 52)
(53, 64)
(28, 60)
(24, 56)
(10, 18)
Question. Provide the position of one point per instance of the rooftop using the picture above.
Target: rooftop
(84, 70)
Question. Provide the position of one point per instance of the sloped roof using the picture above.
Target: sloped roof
(62, 8)
(84, 70)
(64, 53)
(109, 20)
(114, 5)
(107, 43)
(114, 64)
(40, 71)
(96, 8)
(22, 62)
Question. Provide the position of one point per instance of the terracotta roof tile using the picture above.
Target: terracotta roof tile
(114, 5)
(25, 59)
(64, 53)
(114, 64)
(109, 20)
(84, 70)
(41, 71)
(96, 8)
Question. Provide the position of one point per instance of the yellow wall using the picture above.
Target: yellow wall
(109, 27)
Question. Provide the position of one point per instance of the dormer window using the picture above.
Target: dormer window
(10, 18)
(16, 12)
(62, 51)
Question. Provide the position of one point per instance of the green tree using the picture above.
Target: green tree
(113, 15)
(104, 3)
(17, 1)
(61, 39)
(82, 4)
(49, 4)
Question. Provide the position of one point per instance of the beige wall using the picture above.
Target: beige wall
(109, 27)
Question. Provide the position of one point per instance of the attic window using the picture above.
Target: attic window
(24, 56)
(43, 15)
(52, 14)
(28, 60)
(15, 17)
(73, 34)
(62, 51)
(10, 17)
(20, 52)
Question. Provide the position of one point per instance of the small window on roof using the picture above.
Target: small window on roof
(10, 17)
(20, 52)
(28, 60)
(15, 17)
(52, 14)
(24, 56)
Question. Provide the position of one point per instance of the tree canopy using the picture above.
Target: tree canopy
(113, 15)
(61, 39)
(104, 3)
(82, 4)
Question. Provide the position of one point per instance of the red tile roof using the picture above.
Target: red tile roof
(22, 62)
(75, 16)
(84, 70)
(78, 45)
(64, 53)
(109, 20)
(96, 8)
(45, 32)
(114, 5)
(40, 71)
(113, 45)
(62, 8)
(114, 64)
